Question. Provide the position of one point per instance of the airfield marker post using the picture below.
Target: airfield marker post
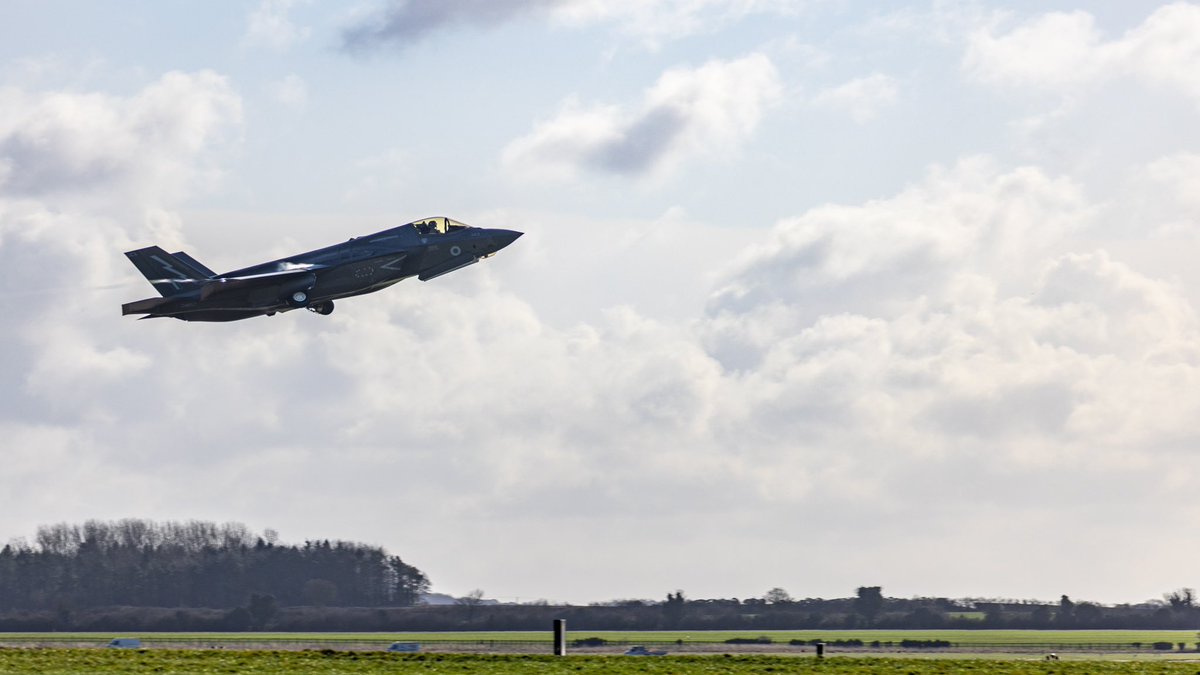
(560, 637)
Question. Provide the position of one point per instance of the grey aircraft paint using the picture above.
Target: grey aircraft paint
(426, 249)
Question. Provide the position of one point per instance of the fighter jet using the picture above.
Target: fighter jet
(426, 249)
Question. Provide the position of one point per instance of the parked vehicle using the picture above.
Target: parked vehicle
(125, 643)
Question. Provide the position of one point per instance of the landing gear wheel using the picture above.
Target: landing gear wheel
(298, 299)
(322, 308)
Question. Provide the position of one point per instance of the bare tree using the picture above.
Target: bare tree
(777, 596)
(470, 602)
(1182, 599)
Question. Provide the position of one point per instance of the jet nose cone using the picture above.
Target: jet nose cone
(505, 237)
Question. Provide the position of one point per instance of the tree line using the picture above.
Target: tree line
(200, 576)
(677, 612)
(870, 608)
(140, 563)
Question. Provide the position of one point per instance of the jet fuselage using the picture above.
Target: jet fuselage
(425, 249)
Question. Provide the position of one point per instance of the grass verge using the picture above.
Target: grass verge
(336, 662)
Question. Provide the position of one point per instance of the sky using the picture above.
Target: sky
(812, 294)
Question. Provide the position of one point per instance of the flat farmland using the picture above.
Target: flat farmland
(888, 640)
(336, 662)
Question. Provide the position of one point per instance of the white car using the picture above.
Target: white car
(642, 651)
(125, 643)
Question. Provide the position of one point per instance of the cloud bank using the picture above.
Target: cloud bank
(1060, 51)
(955, 309)
(942, 366)
(157, 141)
(860, 359)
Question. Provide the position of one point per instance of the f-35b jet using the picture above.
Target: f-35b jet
(426, 249)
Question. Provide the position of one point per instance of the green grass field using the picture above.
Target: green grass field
(1095, 639)
(332, 662)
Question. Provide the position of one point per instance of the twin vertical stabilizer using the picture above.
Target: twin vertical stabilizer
(169, 273)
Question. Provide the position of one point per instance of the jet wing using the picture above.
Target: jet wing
(299, 276)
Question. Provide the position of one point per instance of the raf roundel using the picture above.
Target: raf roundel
(454, 250)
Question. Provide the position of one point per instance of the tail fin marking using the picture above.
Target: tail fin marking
(169, 274)
(198, 269)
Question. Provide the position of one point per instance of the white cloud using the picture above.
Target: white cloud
(270, 26)
(1052, 51)
(1155, 209)
(953, 357)
(1169, 195)
(687, 113)
(89, 176)
(1062, 51)
(72, 362)
(939, 341)
(884, 254)
(952, 311)
(1165, 49)
(863, 97)
(153, 143)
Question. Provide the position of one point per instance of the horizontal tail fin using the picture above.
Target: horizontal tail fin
(170, 274)
(146, 306)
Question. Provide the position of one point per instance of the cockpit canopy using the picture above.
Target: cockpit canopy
(437, 225)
